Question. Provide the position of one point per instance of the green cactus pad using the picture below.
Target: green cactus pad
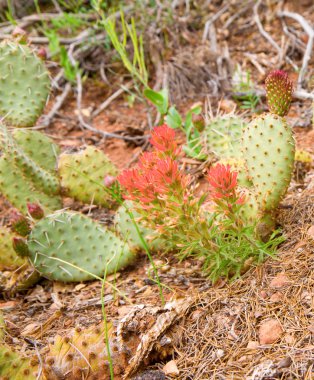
(82, 175)
(14, 366)
(268, 147)
(238, 165)
(223, 136)
(20, 190)
(82, 355)
(67, 237)
(8, 257)
(303, 156)
(38, 147)
(127, 230)
(28, 178)
(24, 84)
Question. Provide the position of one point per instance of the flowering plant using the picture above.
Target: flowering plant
(163, 195)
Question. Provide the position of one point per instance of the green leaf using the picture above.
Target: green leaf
(173, 118)
(159, 99)
(188, 119)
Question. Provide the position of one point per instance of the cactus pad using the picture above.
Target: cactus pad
(223, 136)
(14, 366)
(38, 147)
(8, 258)
(238, 165)
(66, 238)
(82, 355)
(268, 147)
(126, 228)
(82, 175)
(12, 282)
(25, 84)
(28, 178)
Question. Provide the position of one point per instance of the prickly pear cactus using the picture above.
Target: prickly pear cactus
(9, 260)
(70, 247)
(127, 230)
(38, 147)
(268, 147)
(12, 282)
(25, 84)
(302, 164)
(278, 92)
(238, 165)
(223, 136)
(82, 175)
(82, 355)
(28, 176)
(14, 366)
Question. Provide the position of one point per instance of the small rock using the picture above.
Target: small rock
(219, 353)
(276, 297)
(280, 281)
(165, 268)
(263, 294)
(289, 339)
(310, 232)
(150, 375)
(171, 368)
(285, 363)
(252, 345)
(270, 331)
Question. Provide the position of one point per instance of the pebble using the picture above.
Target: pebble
(270, 331)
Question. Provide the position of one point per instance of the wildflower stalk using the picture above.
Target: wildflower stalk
(162, 195)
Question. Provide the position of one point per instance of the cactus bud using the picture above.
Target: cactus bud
(109, 180)
(20, 35)
(19, 224)
(278, 92)
(35, 211)
(42, 53)
(20, 246)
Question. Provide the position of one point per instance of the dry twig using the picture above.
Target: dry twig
(309, 47)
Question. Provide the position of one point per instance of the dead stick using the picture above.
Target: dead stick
(309, 47)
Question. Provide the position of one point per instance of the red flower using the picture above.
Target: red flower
(153, 179)
(222, 181)
(164, 140)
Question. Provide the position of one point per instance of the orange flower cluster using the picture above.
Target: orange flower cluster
(223, 184)
(157, 176)
(163, 140)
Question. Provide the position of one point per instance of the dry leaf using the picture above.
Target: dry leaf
(280, 281)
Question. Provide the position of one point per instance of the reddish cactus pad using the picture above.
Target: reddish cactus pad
(278, 92)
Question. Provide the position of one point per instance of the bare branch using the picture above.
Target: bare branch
(268, 37)
(309, 47)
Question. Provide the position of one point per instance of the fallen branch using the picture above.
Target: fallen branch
(268, 37)
(309, 47)
(58, 104)
(114, 96)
